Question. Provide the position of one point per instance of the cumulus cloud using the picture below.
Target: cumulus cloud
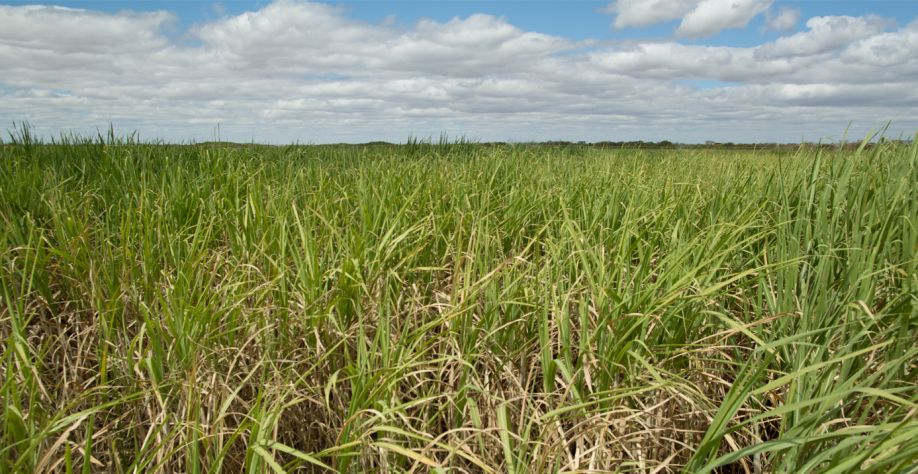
(66, 30)
(899, 48)
(299, 70)
(647, 12)
(712, 16)
(785, 20)
(827, 33)
(699, 17)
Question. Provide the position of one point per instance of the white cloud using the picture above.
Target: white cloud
(786, 20)
(647, 12)
(827, 33)
(388, 20)
(297, 70)
(66, 30)
(699, 17)
(712, 16)
(885, 50)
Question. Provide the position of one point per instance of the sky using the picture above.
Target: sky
(744, 71)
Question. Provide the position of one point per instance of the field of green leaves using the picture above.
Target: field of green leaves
(448, 307)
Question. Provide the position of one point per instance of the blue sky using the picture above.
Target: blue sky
(576, 19)
(728, 70)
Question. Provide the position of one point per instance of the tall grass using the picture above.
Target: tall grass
(443, 307)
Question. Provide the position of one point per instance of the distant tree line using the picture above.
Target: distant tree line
(664, 144)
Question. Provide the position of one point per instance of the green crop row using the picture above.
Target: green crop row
(445, 307)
